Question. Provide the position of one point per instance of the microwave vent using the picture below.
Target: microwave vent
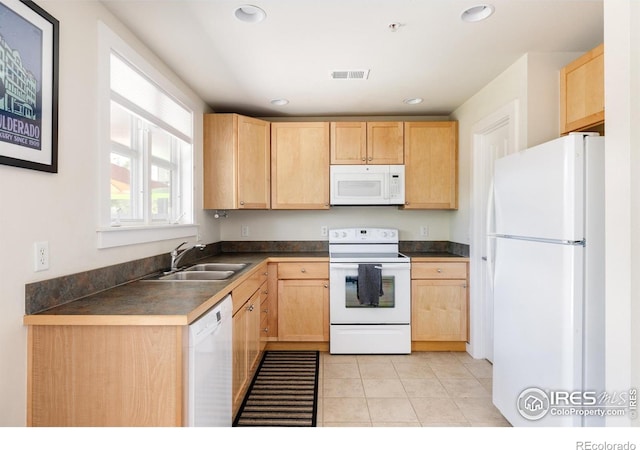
(359, 74)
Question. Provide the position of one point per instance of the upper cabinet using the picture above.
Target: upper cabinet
(582, 92)
(431, 165)
(237, 162)
(367, 143)
(300, 165)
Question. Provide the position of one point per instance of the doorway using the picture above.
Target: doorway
(493, 137)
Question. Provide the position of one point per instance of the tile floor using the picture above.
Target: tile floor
(420, 389)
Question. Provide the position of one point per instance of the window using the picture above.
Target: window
(148, 150)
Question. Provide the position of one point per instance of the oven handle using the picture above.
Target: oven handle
(378, 266)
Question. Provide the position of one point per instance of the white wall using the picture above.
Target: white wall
(622, 214)
(62, 208)
(305, 225)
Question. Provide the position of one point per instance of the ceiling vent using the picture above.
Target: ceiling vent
(350, 74)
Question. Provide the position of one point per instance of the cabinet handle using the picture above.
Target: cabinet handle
(241, 202)
(439, 270)
(250, 308)
(370, 158)
(364, 159)
(265, 274)
(266, 310)
(265, 330)
(406, 203)
(265, 292)
(303, 270)
(326, 286)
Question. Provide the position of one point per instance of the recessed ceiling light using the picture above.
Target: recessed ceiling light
(477, 13)
(413, 101)
(250, 13)
(279, 101)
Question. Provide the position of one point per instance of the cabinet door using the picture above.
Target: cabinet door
(348, 142)
(431, 167)
(582, 92)
(253, 330)
(439, 310)
(385, 143)
(240, 370)
(303, 310)
(254, 164)
(300, 165)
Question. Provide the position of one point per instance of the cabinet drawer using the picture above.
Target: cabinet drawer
(302, 270)
(439, 270)
(243, 292)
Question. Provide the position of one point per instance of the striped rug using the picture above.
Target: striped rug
(283, 393)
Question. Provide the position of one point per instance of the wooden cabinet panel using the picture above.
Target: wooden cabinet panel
(105, 376)
(303, 310)
(439, 270)
(237, 162)
(439, 310)
(300, 165)
(303, 270)
(431, 165)
(239, 369)
(582, 92)
(385, 143)
(348, 142)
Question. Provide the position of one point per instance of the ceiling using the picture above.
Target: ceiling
(432, 54)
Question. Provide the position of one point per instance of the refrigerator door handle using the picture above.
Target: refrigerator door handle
(490, 240)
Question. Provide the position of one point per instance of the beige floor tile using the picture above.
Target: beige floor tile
(414, 369)
(441, 357)
(328, 358)
(450, 370)
(377, 370)
(479, 410)
(342, 387)
(421, 387)
(464, 388)
(352, 410)
(374, 358)
(464, 357)
(442, 410)
(487, 383)
(480, 368)
(391, 410)
(396, 424)
(445, 424)
(347, 424)
(340, 370)
(383, 388)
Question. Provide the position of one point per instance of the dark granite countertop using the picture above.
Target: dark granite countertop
(147, 302)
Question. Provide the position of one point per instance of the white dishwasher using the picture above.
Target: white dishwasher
(208, 378)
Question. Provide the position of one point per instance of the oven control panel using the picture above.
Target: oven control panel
(363, 235)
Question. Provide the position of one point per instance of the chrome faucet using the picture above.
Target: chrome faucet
(177, 255)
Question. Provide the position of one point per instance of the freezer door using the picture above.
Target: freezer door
(539, 191)
(538, 325)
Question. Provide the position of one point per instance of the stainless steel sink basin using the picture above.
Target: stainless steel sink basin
(215, 267)
(217, 275)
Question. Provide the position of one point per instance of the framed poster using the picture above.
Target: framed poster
(28, 86)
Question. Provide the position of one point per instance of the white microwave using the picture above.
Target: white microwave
(367, 185)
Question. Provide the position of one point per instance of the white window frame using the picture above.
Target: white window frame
(117, 234)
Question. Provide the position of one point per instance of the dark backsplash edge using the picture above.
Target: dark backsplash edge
(47, 294)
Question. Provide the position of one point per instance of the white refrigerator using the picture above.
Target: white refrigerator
(549, 282)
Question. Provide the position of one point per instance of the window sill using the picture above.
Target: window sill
(119, 236)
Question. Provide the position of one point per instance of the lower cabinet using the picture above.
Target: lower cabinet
(439, 303)
(247, 342)
(303, 302)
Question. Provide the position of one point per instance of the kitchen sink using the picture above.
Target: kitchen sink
(216, 267)
(210, 275)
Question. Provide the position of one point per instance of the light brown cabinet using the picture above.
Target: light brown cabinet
(582, 93)
(237, 162)
(303, 302)
(431, 165)
(439, 301)
(300, 165)
(246, 343)
(367, 143)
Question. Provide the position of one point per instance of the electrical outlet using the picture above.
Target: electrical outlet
(41, 255)
(424, 231)
(244, 231)
(324, 230)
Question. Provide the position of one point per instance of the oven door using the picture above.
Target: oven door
(394, 306)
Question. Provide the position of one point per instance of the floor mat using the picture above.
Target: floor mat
(283, 392)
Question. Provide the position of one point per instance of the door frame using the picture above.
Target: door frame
(507, 115)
